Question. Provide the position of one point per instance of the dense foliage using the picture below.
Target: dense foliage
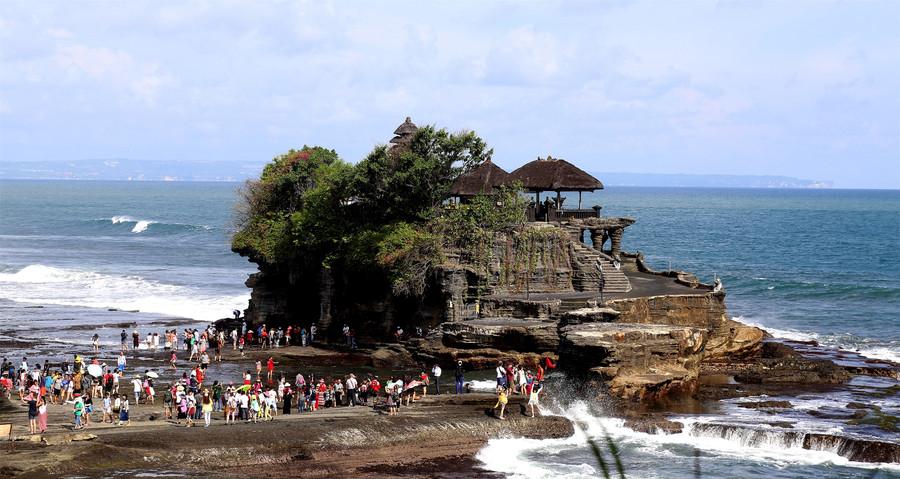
(386, 212)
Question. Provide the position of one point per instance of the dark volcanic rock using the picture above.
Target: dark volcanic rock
(502, 333)
(654, 426)
(830, 413)
(392, 356)
(793, 370)
(860, 450)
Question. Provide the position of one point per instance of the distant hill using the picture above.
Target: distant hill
(149, 170)
(131, 170)
(708, 181)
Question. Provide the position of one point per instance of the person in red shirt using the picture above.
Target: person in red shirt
(270, 368)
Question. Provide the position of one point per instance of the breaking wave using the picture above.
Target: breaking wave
(571, 457)
(142, 225)
(868, 347)
(40, 284)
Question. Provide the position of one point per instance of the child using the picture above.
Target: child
(172, 359)
(78, 410)
(241, 345)
(501, 400)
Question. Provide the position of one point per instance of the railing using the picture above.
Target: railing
(552, 214)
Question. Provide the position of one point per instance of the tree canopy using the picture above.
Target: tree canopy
(385, 212)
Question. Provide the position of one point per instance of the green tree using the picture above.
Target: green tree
(408, 182)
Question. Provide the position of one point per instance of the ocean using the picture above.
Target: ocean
(83, 256)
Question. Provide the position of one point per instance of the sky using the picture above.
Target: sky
(809, 89)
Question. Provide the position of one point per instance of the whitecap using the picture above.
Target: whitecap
(141, 226)
(40, 284)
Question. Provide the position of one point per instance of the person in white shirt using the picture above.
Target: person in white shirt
(436, 372)
(501, 375)
(351, 390)
(138, 385)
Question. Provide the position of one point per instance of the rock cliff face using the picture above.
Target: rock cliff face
(642, 362)
(642, 347)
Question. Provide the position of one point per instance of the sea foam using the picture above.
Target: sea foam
(861, 346)
(40, 284)
(517, 456)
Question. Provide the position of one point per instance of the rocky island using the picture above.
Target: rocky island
(427, 234)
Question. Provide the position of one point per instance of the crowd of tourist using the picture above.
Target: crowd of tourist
(256, 396)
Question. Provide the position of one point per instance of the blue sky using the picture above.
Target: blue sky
(797, 88)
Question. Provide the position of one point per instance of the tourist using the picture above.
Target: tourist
(241, 345)
(78, 410)
(173, 359)
(423, 376)
(231, 406)
(204, 360)
(191, 406)
(124, 337)
(107, 409)
(533, 390)
(436, 372)
(270, 369)
(32, 401)
(137, 385)
(121, 361)
(254, 408)
(460, 377)
(217, 396)
(95, 342)
(502, 393)
(88, 409)
(207, 406)
(135, 338)
(124, 418)
(244, 405)
(149, 390)
(352, 384)
(42, 414)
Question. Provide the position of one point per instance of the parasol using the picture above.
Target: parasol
(95, 370)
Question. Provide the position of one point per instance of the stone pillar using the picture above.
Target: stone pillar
(597, 238)
(615, 240)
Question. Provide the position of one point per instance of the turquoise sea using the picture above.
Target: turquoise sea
(804, 264)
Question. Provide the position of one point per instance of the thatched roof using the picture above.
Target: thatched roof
(404, 132)
(484, 179)
(554, 174)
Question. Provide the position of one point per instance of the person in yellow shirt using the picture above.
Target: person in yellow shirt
(502, 395)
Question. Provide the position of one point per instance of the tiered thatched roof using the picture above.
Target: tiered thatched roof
(554, 174)
(484, 179)
(404, 133)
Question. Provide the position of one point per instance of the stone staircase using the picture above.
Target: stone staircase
(571, 304)
(586, 275)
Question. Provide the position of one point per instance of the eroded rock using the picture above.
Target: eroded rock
(641, 362)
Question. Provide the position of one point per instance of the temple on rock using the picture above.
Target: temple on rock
(560, 284)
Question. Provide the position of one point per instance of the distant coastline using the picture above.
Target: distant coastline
(231, 171)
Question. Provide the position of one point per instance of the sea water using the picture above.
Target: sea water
(804, 264)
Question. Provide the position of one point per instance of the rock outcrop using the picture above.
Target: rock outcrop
(639, 362)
